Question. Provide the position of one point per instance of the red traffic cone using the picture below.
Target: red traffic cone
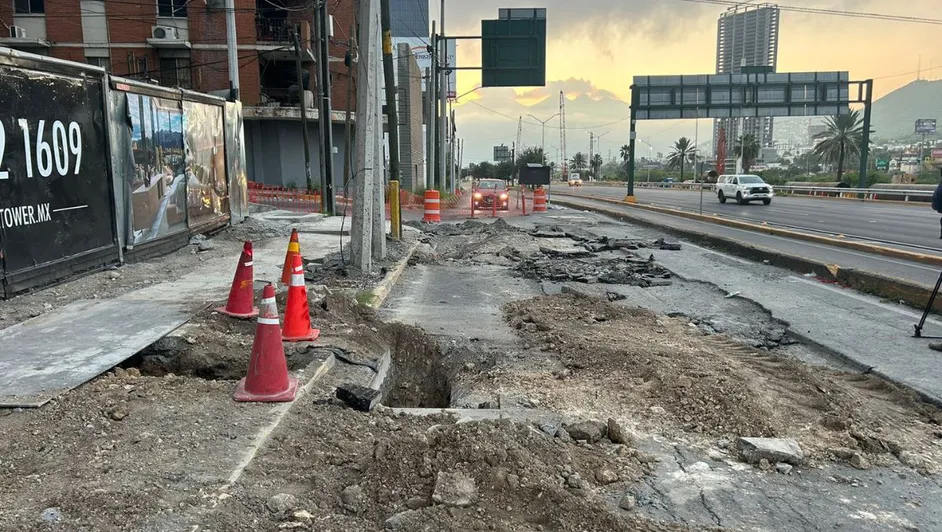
(242, 294)
(267, 379)
(294, 248)
(297, 312)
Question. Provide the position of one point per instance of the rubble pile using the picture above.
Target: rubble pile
(598, 244)
(558, 267)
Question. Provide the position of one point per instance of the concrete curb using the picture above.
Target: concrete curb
(923, 258)
(871, 283)
(382, 290)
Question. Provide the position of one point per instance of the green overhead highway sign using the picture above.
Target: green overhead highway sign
(513, 49)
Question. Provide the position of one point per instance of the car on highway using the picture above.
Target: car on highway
(489, 193)
(744, 188)
(575, 181)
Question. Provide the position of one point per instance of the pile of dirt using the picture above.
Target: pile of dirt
(468, 227)
(669, 372)
(355, 471)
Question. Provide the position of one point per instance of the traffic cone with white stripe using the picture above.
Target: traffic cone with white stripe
(267, 379)
(297, 311)
(294, 249)
(242, 294)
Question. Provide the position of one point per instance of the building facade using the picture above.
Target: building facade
(411, 120)
(182, 43)
(747, 36)
(409, 18)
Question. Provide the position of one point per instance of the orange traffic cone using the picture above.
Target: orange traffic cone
(267, 379)
(242, 294)
(297, 312)
(294, 248)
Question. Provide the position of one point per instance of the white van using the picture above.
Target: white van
(743, 188)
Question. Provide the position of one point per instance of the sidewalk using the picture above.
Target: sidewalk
(53, 353)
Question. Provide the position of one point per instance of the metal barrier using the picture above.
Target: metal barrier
(284, 198)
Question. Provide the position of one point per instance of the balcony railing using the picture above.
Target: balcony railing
(274, 29)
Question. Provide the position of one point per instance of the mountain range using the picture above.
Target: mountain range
(894, 115)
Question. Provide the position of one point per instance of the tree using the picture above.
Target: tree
(578, 162)
(747, 148)
(625, 151)
(842, 139)
(483, 169)
(683, 151)
(531, 155)
(597, 163)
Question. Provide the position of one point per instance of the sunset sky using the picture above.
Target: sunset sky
(596, 46)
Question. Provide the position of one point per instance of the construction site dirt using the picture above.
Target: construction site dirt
(571, 405)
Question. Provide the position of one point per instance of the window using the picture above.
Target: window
(28, 7)
(175, 73)
(103, 62)
(171, 8)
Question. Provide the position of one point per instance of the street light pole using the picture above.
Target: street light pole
(543, 141)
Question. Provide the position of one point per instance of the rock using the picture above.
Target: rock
(281, 503)
(119, 412)
(606, 476)
(303, 516)
(416, 502)
(842, 453)
(764, 464)
(318, 292)
(915, 461)
(628, 502)
(563, 435)
(614, 296)
(716, 455)
(359, 397)
(859, 462)
(770, 449)
(196, 239)
(513, 481)
(783, 468)
(455, 489)
(352, 498)
(590, 431)
(616, 433)
(658, 410)
(698, 467)
(575, 481)
(52, 515)
(403, 520)
(114, 275)
(205, 245)
(548, 427)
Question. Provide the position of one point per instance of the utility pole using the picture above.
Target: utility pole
(317, 43)
(379, 158)
(429, 127)
(443, 98)
(543, 141)
(233, 50)
(304, 132)
(327, 139)
(393, 114)
(347, 120)
(434, 155)
(361, 230)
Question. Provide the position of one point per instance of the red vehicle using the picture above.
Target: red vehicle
(489, 192)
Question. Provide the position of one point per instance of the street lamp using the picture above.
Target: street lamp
(650, 158)
(543, 142)
(598, 140)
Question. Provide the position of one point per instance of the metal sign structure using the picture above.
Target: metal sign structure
(925, 126)
(513, 49)
(756, 94)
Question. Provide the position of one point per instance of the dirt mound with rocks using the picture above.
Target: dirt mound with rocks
(671, 373)
(369, 472)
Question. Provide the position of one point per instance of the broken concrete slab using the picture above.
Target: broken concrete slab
(772, 450)
(590, 431)
(455, 489)
(359, 397)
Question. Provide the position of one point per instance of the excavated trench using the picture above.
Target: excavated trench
(418, 375)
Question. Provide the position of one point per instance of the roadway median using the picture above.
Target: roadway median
(923, 258)
(890, 288)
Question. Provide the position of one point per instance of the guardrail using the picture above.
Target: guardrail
(869, 194)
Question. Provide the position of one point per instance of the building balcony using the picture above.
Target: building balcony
(276, 30)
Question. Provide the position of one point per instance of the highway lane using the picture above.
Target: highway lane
(913, 227)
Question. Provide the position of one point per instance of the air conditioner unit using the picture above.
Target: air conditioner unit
(17, 32)
(164, 32)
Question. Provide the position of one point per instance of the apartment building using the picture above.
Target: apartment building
(182, 43)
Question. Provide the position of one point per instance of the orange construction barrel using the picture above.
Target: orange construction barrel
(539, 200)
(433, 213)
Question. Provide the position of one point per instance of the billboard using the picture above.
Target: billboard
(157, 176)
(55, 189)
(534, 174)
(925, 126)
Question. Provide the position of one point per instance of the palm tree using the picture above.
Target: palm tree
(578, 162)
(747, 148)
(625, 156)
(597, 163)
(683, 151)
(842, 139)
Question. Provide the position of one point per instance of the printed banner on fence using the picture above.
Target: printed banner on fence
(55, 196)
(235, 159)
(207, 190)
(158, 183)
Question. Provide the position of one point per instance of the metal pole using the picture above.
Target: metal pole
(393, 118)
(347, 119)
(321, 131)
(326, 116)
(233, 50)
(865, 138)
(429, 128)
(304, 132)
(443, 98)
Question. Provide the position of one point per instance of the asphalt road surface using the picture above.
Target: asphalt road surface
(914, 227)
